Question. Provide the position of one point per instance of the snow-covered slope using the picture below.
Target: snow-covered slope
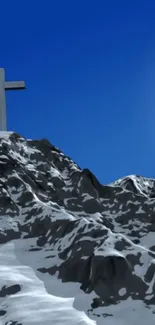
(71, 250)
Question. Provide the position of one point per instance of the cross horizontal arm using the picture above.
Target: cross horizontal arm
(16, 85)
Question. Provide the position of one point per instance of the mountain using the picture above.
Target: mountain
(72, 251)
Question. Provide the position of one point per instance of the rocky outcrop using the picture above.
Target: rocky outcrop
(101, 236)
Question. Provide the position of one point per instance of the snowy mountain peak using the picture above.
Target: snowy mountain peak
(72, 251)
(137, 184)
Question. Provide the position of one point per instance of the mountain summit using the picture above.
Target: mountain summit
(72, 251)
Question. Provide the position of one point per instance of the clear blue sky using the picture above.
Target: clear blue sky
(89, 67)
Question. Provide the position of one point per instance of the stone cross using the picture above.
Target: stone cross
(4, 85)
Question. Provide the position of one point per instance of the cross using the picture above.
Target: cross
(6, 85)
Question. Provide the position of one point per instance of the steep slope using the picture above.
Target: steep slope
(72, 250)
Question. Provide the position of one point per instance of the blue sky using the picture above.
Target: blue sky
(89, 67)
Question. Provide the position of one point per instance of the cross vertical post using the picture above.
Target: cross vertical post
(3, 126)
(5, 85)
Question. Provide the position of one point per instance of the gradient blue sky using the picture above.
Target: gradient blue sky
(89, 67)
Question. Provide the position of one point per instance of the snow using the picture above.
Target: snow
(5, 134)
(128, 313)
(33, 305)
(122, 291)
(43, 299)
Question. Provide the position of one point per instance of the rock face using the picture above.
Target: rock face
(64, 223)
